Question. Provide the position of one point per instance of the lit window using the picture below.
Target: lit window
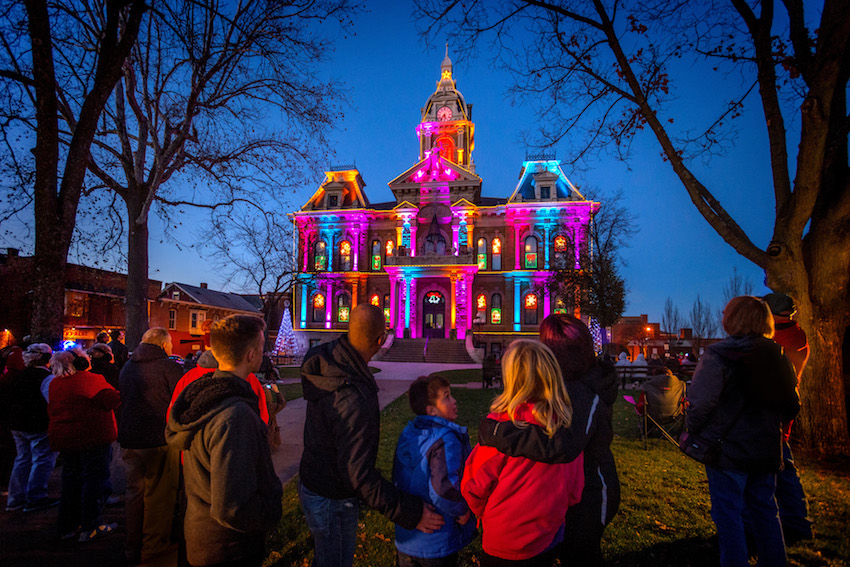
(319, 300)
(497, 254)
(375, 300)
(172, 319)
(389, 246)
(321, 263)
(387, 307)
(405, 235)
(482, 254)
(560, 306)
(531, 253)
(196, 321)
(376, 255)
(561, 251)
(496, 309)
(530, 309)
(318, 308)
(345, 256)
(462, 234)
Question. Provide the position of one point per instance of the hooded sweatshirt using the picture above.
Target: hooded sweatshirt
(342, 430)
(750, 380)
(233, 494)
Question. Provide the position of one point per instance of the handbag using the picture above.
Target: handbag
(699, 448)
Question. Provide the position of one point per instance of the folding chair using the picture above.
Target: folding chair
(661, 405)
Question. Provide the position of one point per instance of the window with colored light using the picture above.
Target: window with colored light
(318, 308)
(405, 235)
(387, 307)
(497, 254)
(376, 255)
(462, 234)
(560, 252)
(482, 253)
(345, 256)
(530, 309)
(321, 256)
(343, 308)
(560, 306)
(531, 253)
(389, 248)
(496, 309)
(375, 300)
(481, 304)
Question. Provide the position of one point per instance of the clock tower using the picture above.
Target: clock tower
(446, 126)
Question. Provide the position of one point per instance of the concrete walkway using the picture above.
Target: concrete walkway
(393, 381)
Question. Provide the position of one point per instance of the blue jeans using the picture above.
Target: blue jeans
(333, 524)
(791, 499)
(733, 491)
(31, 471)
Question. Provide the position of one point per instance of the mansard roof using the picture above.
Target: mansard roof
(347, 183)
(548, 171)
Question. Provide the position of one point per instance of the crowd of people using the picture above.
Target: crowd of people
(541, 483)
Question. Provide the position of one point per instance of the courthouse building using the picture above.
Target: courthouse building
(441, 260)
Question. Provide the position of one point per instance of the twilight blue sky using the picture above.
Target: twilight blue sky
(390, 74)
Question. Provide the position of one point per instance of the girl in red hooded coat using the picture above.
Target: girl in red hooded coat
(522, 503)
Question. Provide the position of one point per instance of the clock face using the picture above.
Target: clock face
(444, 114)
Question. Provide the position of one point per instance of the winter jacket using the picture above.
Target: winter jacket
(521, 503)
(106, 369)
(233, 494)
(342, 430)
(23, 404)
(199, 371)
(591, 431)
(80, 412)
(119, 352)
(748, 378)
(146, 383)
(429, 459)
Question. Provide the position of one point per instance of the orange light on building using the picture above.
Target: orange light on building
(318, 301)
(390, 247)
(497, 246)
(375, 300)
(482, 302)
(530, 301)
(560, 243)
(345, 247)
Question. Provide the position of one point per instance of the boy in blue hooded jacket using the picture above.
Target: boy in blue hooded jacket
(429, 461)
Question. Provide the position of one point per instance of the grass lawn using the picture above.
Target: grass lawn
(461, 376)
(664, 509)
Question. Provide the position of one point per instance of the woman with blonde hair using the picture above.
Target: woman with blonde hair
(522, 503)
(743, 389)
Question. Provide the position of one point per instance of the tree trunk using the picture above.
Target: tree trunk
(137, 276)
(48, 301)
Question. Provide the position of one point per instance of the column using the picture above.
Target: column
(517, 302)
(398, 231)
(329, 306)
(454, 300)
(330, 250)
(406, 299)
(413, 305)
(546, 246)
(413, 227)
(469, 242)
(305, 299)
(547, 301)
(468, 303)
(577, 246)
(455, 230)
(354, 285)
(306, 242)
(517, 247)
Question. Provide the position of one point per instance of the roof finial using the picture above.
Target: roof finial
(447, 48)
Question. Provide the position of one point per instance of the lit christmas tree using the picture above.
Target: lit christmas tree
(285, 344)
(597, 333)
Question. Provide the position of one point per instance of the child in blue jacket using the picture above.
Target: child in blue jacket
(429, 461)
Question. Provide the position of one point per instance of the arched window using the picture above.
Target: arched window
(405, 235)
(462, 234)
(530, 304)
(318, 308)
(482, 253)
(530, 252)
(343, 308)
(345, 256)
(496, 309)
(389, 248)
(446, 147)
(560, 306)
(376, 255)
(561, 245)
(375, 300)
(481, 307)
(497, 254)
(321, 256)
(387, 308)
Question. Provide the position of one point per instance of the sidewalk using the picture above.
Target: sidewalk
(29, 539)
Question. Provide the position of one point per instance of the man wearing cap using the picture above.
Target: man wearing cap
(26, 414)
(790, 497)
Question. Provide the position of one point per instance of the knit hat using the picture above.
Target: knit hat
(35, 351)
(779, 303)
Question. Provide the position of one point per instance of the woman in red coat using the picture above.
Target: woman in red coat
(82, 427)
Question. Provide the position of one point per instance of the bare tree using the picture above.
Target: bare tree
(703, 323)
(671, 318)
(58, 66)
(603, 71)
(219, 103)
(736, 286)
(256, 255)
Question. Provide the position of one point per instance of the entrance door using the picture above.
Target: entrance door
(434, 315)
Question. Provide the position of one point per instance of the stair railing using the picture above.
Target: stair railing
(425, 351)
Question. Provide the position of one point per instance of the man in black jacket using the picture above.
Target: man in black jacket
(119, 351)
(146, 383)
(341, 444)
